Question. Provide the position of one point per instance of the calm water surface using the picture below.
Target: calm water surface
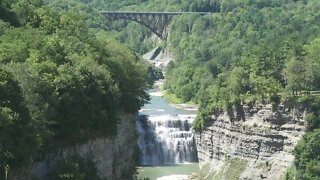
(159, 171)
(157, 107)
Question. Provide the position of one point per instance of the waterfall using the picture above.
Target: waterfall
(166, 139)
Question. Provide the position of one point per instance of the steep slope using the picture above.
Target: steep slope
(65, 82)
(258, 147)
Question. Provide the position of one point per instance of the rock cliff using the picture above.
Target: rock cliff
(113, 157)
(258, 146)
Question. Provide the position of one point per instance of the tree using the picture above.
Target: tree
(307, 153)
(238, 83)
(18, 134)
(312, 64)
(295, 75)
(60, 82)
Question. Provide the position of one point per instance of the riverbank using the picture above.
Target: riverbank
(161, 58)
(160, 92)
(171, 124)
(180, 172)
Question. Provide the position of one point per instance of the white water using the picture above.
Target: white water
(165, 137)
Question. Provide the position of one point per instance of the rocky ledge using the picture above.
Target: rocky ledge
(259, 146)
(113, 157)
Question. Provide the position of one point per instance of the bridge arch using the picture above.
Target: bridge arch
(157, 22)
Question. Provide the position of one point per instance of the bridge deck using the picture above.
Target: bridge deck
(157, 22)
(152, 13)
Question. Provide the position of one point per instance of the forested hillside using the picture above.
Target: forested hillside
(248, 52)
(245, 52)
(63, 78)
(63, 75)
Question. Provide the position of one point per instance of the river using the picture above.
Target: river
(166, 142)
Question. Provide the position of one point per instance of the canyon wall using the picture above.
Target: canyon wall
(113, 157)
(256, 146)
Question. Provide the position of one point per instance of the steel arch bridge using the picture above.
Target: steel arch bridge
(157, 22)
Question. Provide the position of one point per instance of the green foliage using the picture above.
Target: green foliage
(202, 120)
(63, 79)
(250, 51)
(307, 150)
(290, 174)
(154, 5)
(206, 172)
(247, 51)
(172, 98)
(313, 121)
(75, 168)
(19, 136)
(155, 73)
(6, 14)
(312, 104)
(237, 166)
(307, 154)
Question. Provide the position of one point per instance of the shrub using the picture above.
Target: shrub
(75, 168)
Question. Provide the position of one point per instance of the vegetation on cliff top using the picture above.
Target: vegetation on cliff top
(63, 78)
(307, 151)
(250, 51)
(246, 52)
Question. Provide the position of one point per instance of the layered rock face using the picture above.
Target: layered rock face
(257, 146)
(113, 157)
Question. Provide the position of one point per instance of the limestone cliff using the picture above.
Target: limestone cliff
(113, 157)
(257, 147)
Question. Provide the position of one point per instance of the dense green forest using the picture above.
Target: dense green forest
(244, 52)
(57, 57)
(248, 52)
(63, 78)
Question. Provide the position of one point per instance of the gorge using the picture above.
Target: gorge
(165, 138)
(76, 97)
(259, 147)
(252, 142)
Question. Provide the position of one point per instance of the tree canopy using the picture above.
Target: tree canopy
(64, 75)
(245, 51)
(63, 78)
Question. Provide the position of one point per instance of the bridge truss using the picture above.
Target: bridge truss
(157, 22)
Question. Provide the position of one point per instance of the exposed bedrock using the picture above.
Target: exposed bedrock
(263, 139)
